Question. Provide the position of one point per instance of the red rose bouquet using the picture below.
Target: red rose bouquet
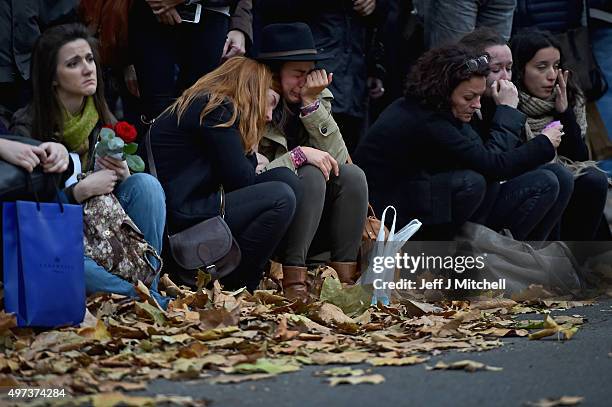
(118, 142)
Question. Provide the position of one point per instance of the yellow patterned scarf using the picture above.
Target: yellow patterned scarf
(77, 129)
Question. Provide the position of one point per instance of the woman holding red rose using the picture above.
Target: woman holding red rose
(68, 107)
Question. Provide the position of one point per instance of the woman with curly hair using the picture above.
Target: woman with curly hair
(423, 156)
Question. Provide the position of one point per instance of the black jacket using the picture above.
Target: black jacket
(408, 150)
(556, 16)
(503, 128)
(194, 160)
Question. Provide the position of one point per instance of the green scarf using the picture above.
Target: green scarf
(77, 129)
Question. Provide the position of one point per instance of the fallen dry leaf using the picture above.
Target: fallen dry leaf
(219, 318)
(409, 360)
(7, 321)
(124, 343)
(493, 304)
(282, 333)
(270, 366)
(352, 300)
(350, 357)
(109, 387)
(340, 372)
(238, 378)
(561, 401)
(467, 365)
(332, 316)
(563, 332)
(369, 379)
(119, 399)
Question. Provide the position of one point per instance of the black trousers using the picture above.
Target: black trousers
(158, 50)
(583, 218)
(258, 216)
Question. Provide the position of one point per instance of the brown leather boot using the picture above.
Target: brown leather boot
(294, 283)
(347, 271)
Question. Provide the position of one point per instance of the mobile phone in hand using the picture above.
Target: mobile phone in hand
(556, 123)
(189, 13)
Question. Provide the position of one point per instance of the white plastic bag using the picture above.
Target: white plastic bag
(387, 248)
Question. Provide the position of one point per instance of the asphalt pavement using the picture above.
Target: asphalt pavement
(532, 370)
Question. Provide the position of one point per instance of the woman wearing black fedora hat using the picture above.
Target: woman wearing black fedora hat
(304, 137)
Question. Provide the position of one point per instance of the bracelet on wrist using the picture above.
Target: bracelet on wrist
(309, 108)
(298, 157)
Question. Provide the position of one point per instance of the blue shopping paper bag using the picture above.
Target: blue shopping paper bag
(44, 280)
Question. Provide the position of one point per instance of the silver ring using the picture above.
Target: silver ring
(561, 133)
(382, 89)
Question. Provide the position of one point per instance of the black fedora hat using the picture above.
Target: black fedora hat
(289, 42)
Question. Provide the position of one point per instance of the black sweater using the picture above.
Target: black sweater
(193, 160)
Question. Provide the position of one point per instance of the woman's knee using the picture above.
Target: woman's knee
(593, 183)
(470, 184)
(286, 176)
(565, 178)
(283, 198)
(353, 182)
(312, 181)
(142, 193)
(547, 182)
(142, 185)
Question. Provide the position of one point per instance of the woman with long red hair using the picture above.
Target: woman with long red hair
(204, 149)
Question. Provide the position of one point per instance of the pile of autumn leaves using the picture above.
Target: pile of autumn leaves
(229, 337)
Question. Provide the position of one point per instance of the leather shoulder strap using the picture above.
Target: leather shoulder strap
(149, 150)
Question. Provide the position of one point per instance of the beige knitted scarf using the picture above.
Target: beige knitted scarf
(540, 112)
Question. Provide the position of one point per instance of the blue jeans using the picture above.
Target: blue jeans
(446, 21)
(142, 198)
(602, 47)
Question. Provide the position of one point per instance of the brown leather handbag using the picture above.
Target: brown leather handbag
(208, 246)
(372, 226)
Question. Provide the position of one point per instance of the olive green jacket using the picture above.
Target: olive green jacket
(319, 130)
